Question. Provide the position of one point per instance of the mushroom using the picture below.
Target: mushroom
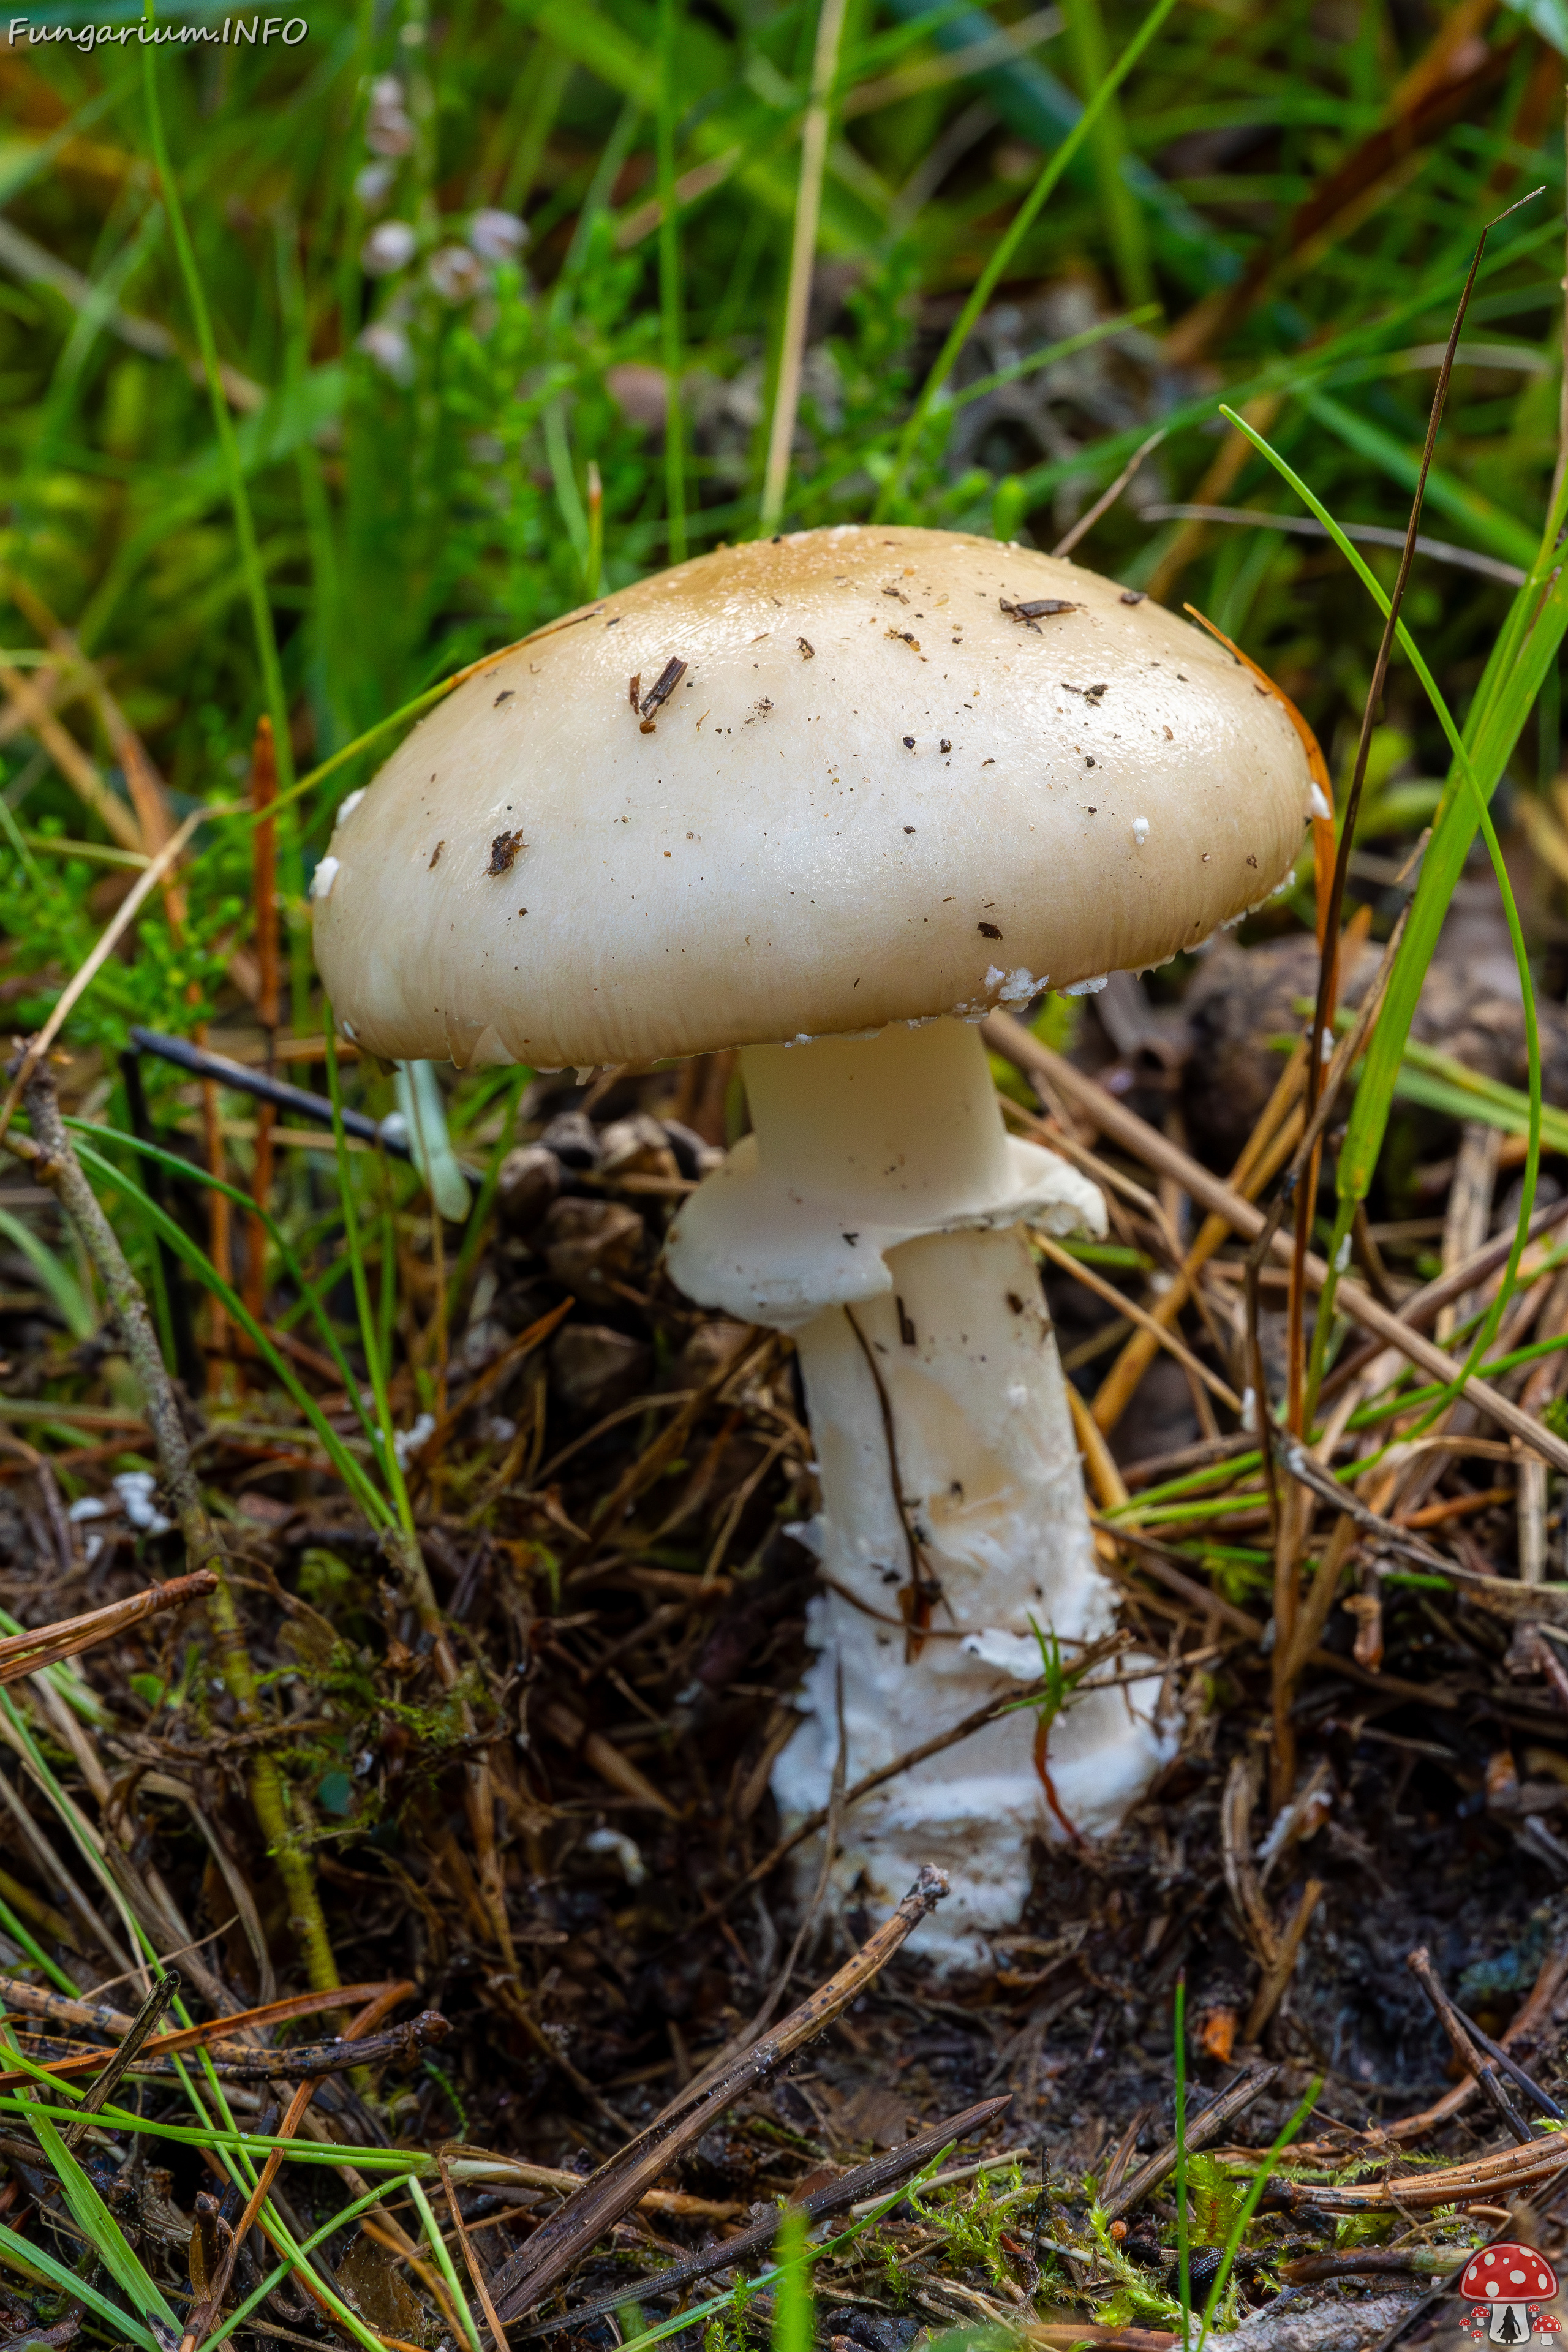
(1504, 2283)
(832, 799)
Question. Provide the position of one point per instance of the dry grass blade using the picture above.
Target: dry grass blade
(1426, 1304)
(1164, 1569)
(803, 254)
(1107, 497)
(1240, 1875)
(79, 772)
(1158, 1332)
(45, 1645)
(1280, 1969)
(1010, 1038)
(616, 2187)
(1272, 1140)
(460, 2230)
(491, 1378)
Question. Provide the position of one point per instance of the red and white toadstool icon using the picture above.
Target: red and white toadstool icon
(1507, 2283)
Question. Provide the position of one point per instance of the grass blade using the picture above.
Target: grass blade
(1465, 807)
(97, 2223)
(370, 1340)
(1184, 2267)
(671, 300)
(352, 1472)
(444, 2262)
(223, 424)
(1008, 246)
(73, 1305)
(36, 2261)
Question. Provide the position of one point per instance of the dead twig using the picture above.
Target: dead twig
(45, 1645)
(1163, 1336)
(1476, 2063)
(616, 2187)
(164, 1992)
(865, 2181)
(1421, 2262)
(1507, 2169)
(1201, 2129)
(237, 2062)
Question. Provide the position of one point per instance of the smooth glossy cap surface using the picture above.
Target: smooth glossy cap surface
(901, 773)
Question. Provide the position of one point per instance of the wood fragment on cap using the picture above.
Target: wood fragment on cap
(1036, 609)
(503, 852)
(658, 694)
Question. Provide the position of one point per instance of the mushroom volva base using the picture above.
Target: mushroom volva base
(995, 1498)
(881, 1179)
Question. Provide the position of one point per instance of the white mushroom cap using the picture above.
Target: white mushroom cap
(874, 792)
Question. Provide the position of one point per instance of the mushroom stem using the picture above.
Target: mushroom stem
(953, 1522)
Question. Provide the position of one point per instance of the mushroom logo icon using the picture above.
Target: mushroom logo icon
(1505, 2287)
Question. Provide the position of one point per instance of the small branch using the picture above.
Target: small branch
(164, 1992)
(45, 1645)
(1474, 2061)
(1201, 2129)
(238, 2063)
